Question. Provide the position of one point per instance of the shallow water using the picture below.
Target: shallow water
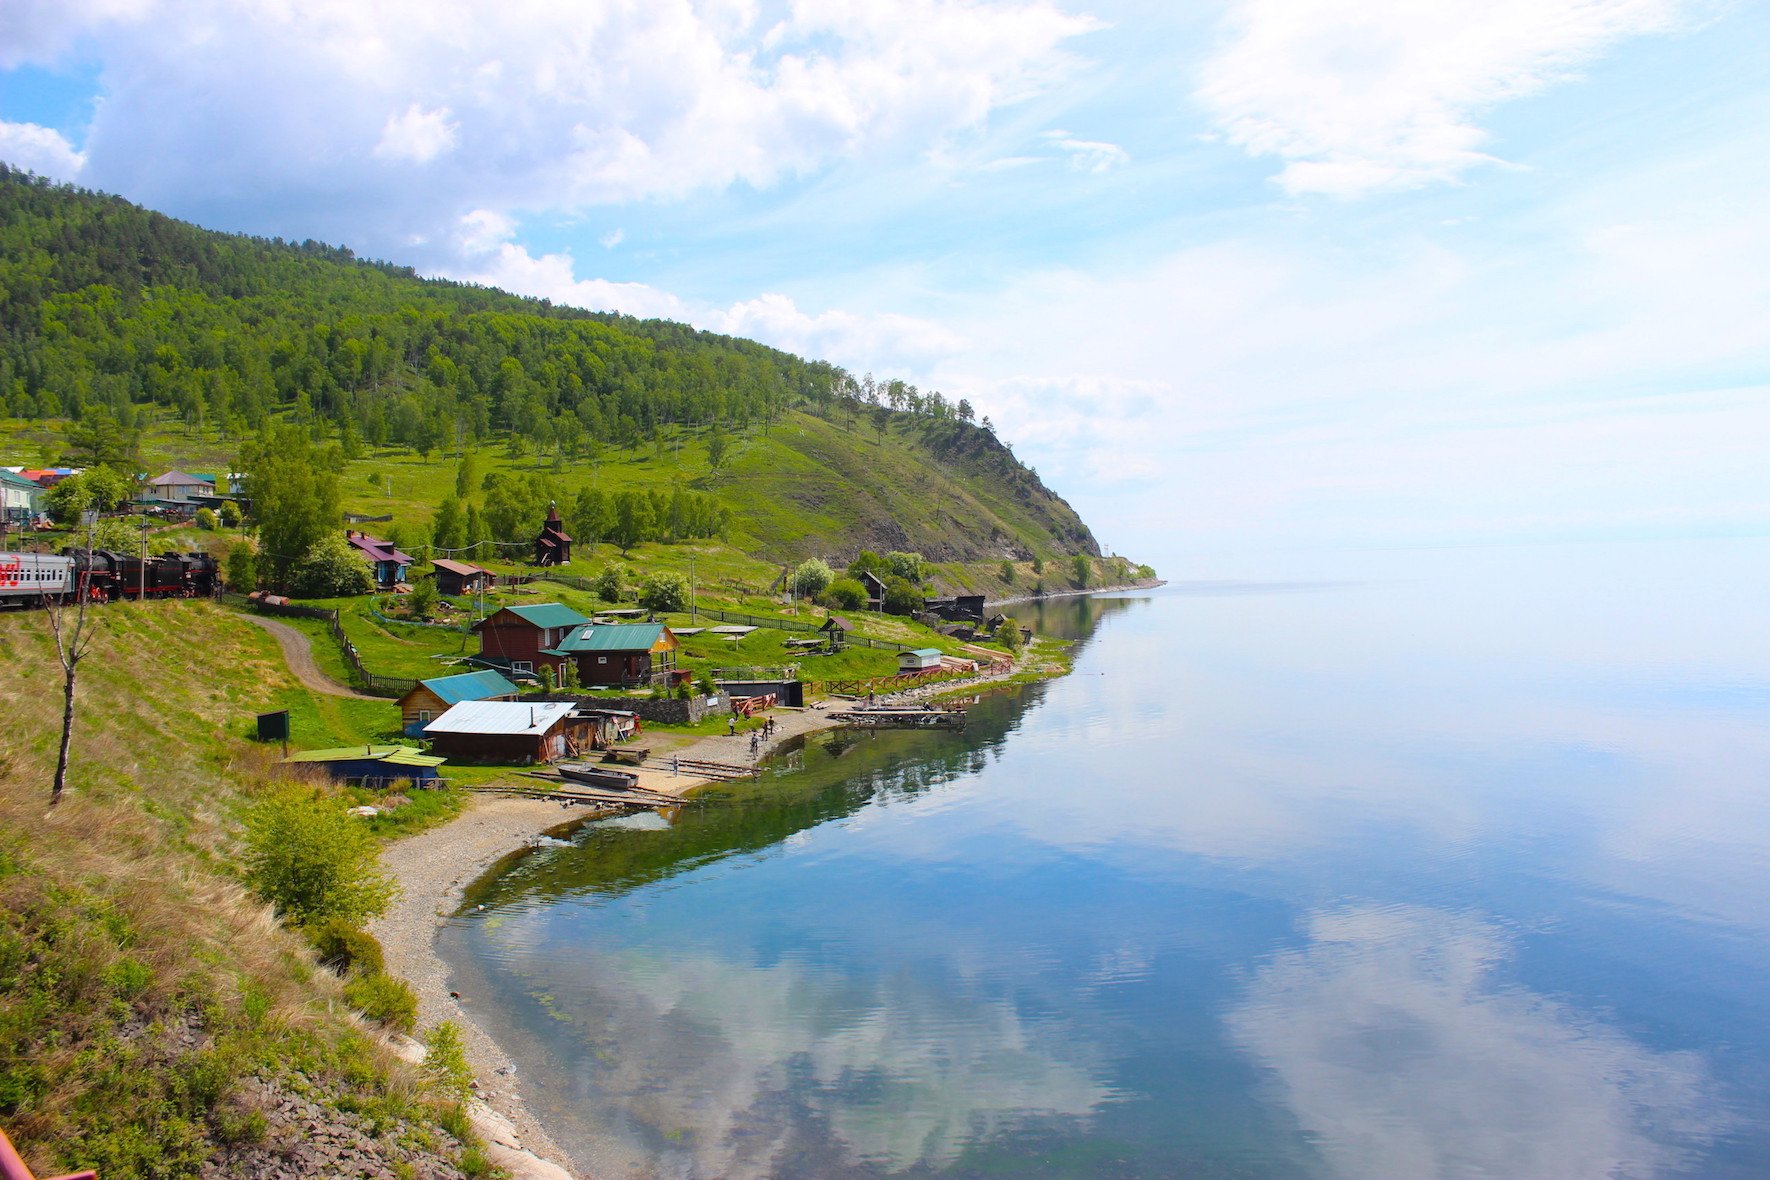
(1434, 864)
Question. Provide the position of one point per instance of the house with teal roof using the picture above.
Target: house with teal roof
(430, 699)
(624, 655)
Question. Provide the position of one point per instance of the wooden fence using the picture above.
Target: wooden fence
(369, 682)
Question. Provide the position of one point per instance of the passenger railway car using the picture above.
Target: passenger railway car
(31, 579)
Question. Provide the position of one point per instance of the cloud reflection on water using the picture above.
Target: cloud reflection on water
(1400, 1057)
(755, 1070)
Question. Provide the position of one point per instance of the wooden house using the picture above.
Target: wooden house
(619, 654)
(430, 699)
(21, 499)
(835, 633)
(509, 731)
(553, 547)
(923, 659)
(515, 636)
(388, 563)
(456, 578)
(177, 487)
(373, 766)
(875, 590)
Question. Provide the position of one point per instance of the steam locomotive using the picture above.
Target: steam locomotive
(32, 579)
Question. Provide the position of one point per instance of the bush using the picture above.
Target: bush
(385, 999)
(230, 514)
(1008, 634)
(610, 585)
(344, 947)
(665, 592)
(1008, 573)
(446, 1061)
(811, 577)
(908, 566)
(868, 562)
(313, 862)
(846, 594)
(206, 519)
(332, 569)
(1081, 569)
(242, 568)
(422, 600)
(901, 598)
(546, 675)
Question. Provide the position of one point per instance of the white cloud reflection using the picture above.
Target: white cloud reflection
(732, 1063)
(1401, 1057)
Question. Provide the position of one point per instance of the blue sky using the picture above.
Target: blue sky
(1240, 277)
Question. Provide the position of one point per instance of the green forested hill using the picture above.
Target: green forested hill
(111, 313)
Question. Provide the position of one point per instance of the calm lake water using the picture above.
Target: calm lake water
(1453, 864)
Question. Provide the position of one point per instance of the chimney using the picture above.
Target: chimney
(531, 716)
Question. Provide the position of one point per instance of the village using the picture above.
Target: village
(559, 685)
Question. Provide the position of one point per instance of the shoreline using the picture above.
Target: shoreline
(434, 868)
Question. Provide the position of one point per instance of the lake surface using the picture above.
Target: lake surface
(1450, 864)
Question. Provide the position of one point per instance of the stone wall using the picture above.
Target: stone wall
(667, 711)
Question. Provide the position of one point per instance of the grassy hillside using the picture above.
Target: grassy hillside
(153, 1015)
(117, 323)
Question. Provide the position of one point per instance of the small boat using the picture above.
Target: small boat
(597, 776)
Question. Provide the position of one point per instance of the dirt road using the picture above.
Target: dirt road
(299, 654)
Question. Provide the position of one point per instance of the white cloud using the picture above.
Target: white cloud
(417, 135)
(887, 343)
(1398, 1056)
(1089, 155)
(43, 150)
(1385, 95)
(529, 106)
(613, 238)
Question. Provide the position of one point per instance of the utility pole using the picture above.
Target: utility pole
(691, 601)
(141, 595)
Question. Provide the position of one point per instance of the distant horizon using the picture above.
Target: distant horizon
(1254, 277)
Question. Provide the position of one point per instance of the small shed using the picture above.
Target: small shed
(553, 547)
(508, 731)
(923, 659)
(457, 577)
(373, 766)
(609, 726)
(835, 632)
(430, 699)
(790, 693)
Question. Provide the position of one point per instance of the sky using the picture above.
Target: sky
(1238, 277)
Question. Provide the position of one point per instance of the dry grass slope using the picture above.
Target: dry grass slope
(143, 992)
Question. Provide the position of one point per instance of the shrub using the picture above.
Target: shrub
(422, 600)
(1038, 564)
(1008, 572)
(846, 594)
(1008, 634)
(546, 675)
(230, 514)
(343, 946)
(206, 519)
(1081, 570)
(811, 577)
(313, 862)
(446, 1061)
(385, 999)
(868, 562)
(908, 566)
(242, 568)
(665, 592)
(332, 569)
(610, 585)
(901, 598)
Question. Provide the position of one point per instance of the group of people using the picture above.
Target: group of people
(756, 735)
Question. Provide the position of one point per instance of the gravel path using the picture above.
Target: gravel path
(298, 651)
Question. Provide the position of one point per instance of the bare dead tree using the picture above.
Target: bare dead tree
(73, 638)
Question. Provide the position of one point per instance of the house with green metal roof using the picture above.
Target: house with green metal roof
(20, 498)
(513, 637)
(373, 766)
(619, 654)
(430, 699)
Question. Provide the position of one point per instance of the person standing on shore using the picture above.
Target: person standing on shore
(731, 725)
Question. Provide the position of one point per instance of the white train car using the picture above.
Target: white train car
(27, 579)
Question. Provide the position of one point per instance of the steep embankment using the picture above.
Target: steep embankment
(155, 1020)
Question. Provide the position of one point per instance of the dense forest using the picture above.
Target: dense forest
(111, 314)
